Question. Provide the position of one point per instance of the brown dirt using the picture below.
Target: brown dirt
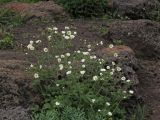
(149, 88)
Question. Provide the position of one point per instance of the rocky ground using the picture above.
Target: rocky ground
(139, 54)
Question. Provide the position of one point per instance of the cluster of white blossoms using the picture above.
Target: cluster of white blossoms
(68, 34)
(64, 63)
(30, 46)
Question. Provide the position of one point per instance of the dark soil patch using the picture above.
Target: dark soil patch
(149, 88)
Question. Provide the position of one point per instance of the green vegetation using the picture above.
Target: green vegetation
(139, 115)
(9, 18)
(75, 85)
(84, 8)
(6, 41)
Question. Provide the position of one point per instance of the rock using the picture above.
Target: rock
(42, 9)
(126, 60)
(143, 36)
(134, 9)
(15, 113)
(15, 86)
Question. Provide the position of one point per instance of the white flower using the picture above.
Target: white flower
(111, 73)
(99, 110)
(82, 72)
(124, 92)
(57, 85)
(70, 67)
(36, 75)
(113, 70)
(55, 28)
(115, 54)
(38, 41)
(131, 91)
(69, 62)
(75, 32)
(113, 63)
(68, 72)
(78, 51)
(108, 67)
(31, 42)
(40, 66)
(59, 60)
(61, 67)
(119, 69)
(68, 54)
(57, 103)
(66, 27)
(31, 65)
(108, 104)
(69, 32)
(123, 78)
(93, 100)
(128, 81)
(63, 32)
(55, 32)
(49, 37)
(103, 70)
(83, 66)
(72, 36)
(95, 78)
(85, 53)
(62, 56)
(30, 47)
(66, 37)
(89, 46)
(101, 43)
(45, 49)
(97, 44)
(89, 50)
(101, 74)
(83, 60)
(56, 56)
(111, 46)
(109, 113)
(93, 57)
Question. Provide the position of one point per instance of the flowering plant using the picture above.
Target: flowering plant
(77, 79)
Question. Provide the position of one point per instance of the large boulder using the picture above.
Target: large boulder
(134, 9)
(143, 36)
(40, 9)
(125, 60)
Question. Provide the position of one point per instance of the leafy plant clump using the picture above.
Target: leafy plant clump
(84, 8)
(6, 41)
(9, 18)
(75, 85)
